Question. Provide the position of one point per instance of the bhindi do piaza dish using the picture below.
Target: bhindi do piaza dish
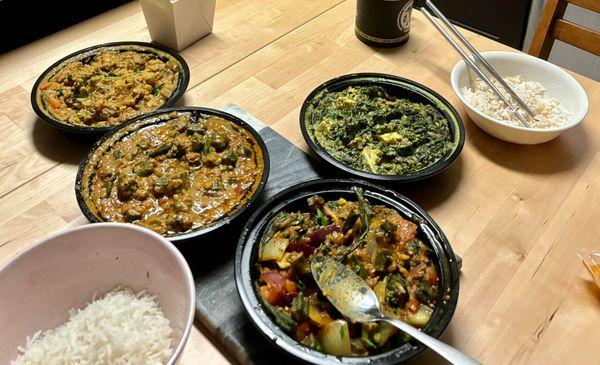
(176, 176)
(109, 87)
(368, 129)
(376, 242)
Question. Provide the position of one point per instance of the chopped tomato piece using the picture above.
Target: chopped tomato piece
(431, 275)
(279, 290)
(54, 103)
(271, 295)
(302, 330)
(290, 287)
(44, 85)
(274, 278)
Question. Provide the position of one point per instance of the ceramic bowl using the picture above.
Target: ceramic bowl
(558, 83)
(64, 271)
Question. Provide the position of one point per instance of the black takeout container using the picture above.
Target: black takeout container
(294, 198)
(86, 53)
(400, 88)
(104, 145)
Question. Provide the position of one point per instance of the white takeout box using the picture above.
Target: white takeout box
(178, 23)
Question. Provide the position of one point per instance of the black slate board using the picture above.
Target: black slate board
(210, 257)
(218, 306)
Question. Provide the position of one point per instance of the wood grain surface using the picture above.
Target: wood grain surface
(516, 214)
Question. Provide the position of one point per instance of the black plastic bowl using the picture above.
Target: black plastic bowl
(294, 198)
(400, 88)
(184, 79)
(104, 145)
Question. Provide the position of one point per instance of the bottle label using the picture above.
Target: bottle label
(404, 17)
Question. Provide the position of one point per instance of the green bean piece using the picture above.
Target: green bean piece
(162, 149)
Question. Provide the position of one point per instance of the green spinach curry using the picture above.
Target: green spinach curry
(370, 130)
(376, 242)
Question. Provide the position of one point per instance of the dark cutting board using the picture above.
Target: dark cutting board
(218, 306)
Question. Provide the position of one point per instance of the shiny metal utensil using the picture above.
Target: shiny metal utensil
(353, 297)
(477, 58)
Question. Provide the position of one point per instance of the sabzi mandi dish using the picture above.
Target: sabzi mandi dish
(109, 85)
(374, 241)
(181, 172)
(368, 129)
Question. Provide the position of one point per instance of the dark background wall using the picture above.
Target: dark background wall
(502, 20)
(23, 21)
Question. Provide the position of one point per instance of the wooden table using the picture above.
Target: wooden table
(516, 214)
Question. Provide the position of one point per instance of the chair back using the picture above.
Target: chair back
(552, 25)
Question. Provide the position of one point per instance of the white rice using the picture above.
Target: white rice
(120, 328)
(548, 110)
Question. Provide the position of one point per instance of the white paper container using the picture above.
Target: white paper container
(178, 23)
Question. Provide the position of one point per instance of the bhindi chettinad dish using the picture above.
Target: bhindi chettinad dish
(368, 129)
(174, 177)
(376, 242)
(109, 87)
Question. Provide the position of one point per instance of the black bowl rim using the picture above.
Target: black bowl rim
(434, 169)
(199, 232)
(184, 79)
(274, 334)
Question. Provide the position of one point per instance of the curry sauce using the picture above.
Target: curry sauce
(175, 177)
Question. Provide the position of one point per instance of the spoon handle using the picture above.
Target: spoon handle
(446, 351)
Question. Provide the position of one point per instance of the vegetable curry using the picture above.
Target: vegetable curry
(176, 176)
(370, 130)
(110, 87)
(375, 242)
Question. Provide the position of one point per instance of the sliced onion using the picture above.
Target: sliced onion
(274, 249)
(335, 338)
(420, 317)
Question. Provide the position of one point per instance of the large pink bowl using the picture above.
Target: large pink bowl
(39, 286)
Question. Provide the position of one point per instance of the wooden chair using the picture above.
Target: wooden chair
(552, 26)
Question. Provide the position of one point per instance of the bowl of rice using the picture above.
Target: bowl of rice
(105, 293)
(557, 99)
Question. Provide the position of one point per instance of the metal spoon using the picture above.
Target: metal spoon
(353, 297)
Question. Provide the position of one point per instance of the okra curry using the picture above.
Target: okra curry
(368, 129)
(376, 242)
(109, 87)
(176, 176)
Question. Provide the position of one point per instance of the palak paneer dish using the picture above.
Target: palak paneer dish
(376, 242)
(176, 176)
(368, 129)
(109, 87)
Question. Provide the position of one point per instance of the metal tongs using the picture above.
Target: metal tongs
(473, 61)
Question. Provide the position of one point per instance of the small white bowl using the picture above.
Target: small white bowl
(558, 83)
(63, 271)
